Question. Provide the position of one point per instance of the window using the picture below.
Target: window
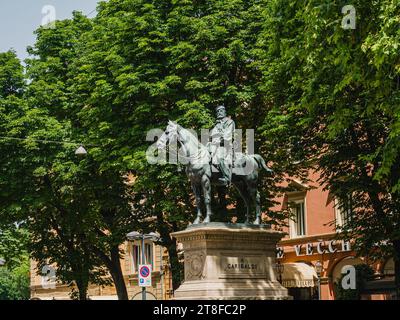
(344, 211)
(149, 253)
(137, 255)
(298, 222)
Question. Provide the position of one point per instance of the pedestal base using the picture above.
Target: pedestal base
(229, 261)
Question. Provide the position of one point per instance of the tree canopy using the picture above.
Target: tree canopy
(335, 93)
(318, 96)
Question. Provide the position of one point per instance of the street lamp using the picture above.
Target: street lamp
(319, 268)
(81, 151)
(134, 235)
(279, 269)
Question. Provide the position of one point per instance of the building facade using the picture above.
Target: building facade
(311, 258)
(310, 242)
(43, 286)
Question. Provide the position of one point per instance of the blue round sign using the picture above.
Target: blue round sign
(144, 271)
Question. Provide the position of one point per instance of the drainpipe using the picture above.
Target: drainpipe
(161, 273)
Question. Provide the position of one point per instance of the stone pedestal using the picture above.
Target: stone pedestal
(229, 261)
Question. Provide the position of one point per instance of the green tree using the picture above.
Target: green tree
(13, 236)
(42, 182)
(13, 245)
(79, 212)
(335, 98)
(14, 283)
(145, 62)
(11, 75)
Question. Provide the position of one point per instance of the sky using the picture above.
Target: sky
(19, 18)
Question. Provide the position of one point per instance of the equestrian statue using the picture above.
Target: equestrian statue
(217, 164)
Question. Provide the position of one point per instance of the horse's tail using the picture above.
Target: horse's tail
(261, 163)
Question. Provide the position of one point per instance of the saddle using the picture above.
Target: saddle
(239, 165)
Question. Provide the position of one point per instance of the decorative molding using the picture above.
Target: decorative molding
(224, 236)
(195, 265)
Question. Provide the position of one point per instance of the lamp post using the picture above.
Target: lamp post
(279, 269)
(134, 235)
(80, 151)
(319, 269)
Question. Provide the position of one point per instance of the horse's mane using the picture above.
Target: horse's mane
(192, 136)
(201, 154)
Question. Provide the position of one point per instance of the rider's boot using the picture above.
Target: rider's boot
(226, 174)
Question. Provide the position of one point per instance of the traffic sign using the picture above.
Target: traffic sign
(144, 275)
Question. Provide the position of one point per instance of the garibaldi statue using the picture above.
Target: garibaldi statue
(221, 146)
(217, 163)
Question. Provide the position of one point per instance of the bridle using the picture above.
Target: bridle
(187, 156)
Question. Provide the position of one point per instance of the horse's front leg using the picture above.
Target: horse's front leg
(206, 184)
(197, 193)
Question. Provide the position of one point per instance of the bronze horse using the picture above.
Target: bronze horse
(201, 174)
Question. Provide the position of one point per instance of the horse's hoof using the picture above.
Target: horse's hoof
(197, 221)
(206, 220)
(257, 221)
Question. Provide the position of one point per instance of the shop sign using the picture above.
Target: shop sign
(321, 247)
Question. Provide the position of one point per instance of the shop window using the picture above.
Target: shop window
(137, 255)
(348, 261)
(298, 221)
(388, 269)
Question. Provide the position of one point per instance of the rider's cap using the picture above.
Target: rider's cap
(219, 107)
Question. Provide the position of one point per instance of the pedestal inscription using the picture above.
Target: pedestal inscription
(242, 267)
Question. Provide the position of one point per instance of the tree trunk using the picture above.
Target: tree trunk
(82, 289)
(117, 275)
(113, 265)
(176, 267)
(81, 281)
(396, 259)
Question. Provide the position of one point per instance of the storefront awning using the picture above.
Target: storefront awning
(298, 275)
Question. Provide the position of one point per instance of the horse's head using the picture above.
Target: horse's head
(170, 134)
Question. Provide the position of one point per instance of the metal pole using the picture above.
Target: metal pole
(319, 287)
(143, 262)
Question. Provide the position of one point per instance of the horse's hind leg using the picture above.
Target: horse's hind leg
(222, 211)
(241, 188)
(197, 193)
(255, 199)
